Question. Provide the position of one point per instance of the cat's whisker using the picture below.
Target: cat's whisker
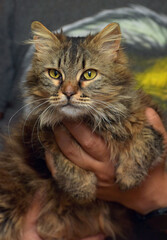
(19, 110)
(38, 130)
(42, 115)
(91, 111)
(116, 110)
(37, 125)
(95, 116)
(106, 92)
(33, 130)
(29, 114)
(107, 105)
(114, 113)
(101, 116)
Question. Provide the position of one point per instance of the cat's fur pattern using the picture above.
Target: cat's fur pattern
(109, 104)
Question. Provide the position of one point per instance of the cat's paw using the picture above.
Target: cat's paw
(127, 180)
(125, 184)
(84, 190)
(77, 183)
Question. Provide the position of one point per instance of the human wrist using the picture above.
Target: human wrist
(152, 194)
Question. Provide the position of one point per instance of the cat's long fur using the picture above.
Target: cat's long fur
(109, 104)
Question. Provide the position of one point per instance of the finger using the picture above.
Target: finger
(78, 156)
(50, 162)
(29, 229)
(72, 150)
(34, 209)
(154, 119)
(93, 144)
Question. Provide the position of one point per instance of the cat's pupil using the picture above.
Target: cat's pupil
(89, 73)
(56, 73)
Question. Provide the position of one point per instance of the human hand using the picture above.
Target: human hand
(91, 153)
(94, 155)
(29, 230)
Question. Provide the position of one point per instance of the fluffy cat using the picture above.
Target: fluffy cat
(84, 79)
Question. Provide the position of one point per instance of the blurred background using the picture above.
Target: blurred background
(143, 24)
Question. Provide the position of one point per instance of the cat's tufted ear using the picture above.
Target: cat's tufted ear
(108, 40)
(42, 36)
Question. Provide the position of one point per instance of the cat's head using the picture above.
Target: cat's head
(76, 77)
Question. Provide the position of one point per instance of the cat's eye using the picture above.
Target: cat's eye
(53, 73)
(89, 74)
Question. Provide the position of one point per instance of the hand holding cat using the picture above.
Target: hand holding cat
(95, 156)
(90, 152)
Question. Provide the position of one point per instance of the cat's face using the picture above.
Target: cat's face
(75, 76)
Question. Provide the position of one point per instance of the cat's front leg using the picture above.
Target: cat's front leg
(73, 180)
(137, 156)
(76, 182)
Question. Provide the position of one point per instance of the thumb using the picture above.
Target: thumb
(155, 120)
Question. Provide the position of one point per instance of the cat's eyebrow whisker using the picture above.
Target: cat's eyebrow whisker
(10, 120)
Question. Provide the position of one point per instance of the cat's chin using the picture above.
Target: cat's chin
(70, 111)
(59, 114)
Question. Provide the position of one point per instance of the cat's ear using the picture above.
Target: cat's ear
(42, 37)
(109, 39)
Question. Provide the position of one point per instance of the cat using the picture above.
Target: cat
(86, 79)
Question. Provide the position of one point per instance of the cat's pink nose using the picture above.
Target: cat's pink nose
(69, 93)
(69, 90)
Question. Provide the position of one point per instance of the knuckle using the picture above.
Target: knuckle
(69, 150)
(89, 144)
(105, 176)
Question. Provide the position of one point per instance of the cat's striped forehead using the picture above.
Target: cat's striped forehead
(55, 50)
(73, 53)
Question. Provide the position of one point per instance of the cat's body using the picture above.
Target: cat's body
(84, 79)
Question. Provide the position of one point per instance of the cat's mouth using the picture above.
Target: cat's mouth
(69, 104)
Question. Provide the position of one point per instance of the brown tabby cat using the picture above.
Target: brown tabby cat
(88, 80)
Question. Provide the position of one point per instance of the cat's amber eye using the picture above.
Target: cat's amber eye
(53, 73)
(89, 74)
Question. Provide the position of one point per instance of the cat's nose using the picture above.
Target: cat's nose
(69, 93)
(69, 90)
